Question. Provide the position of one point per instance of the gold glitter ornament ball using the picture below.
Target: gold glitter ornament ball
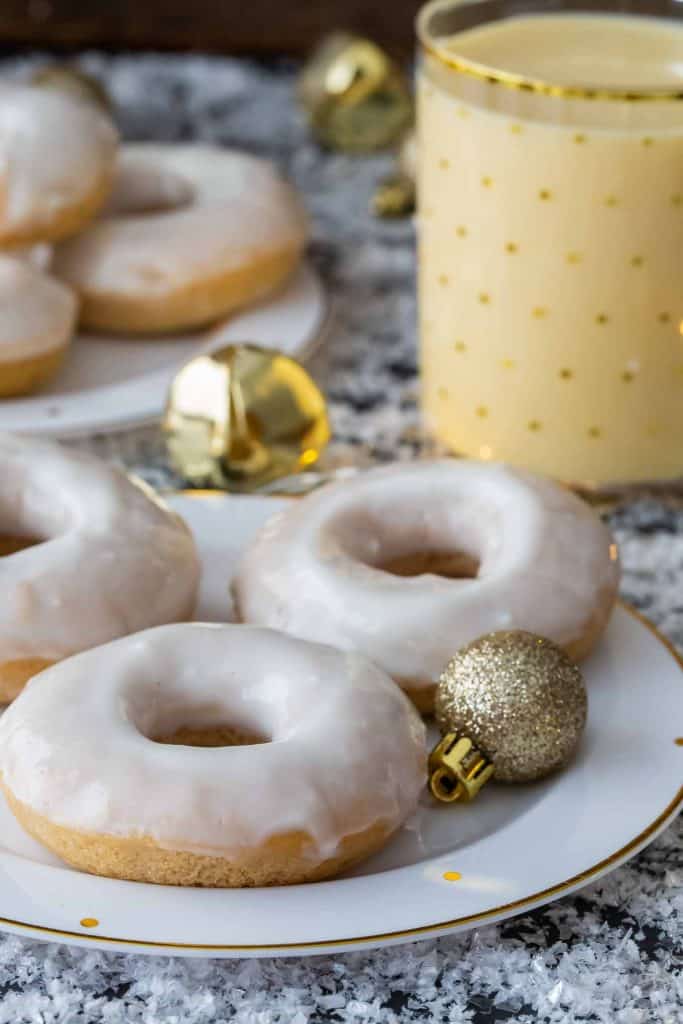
(519, 698)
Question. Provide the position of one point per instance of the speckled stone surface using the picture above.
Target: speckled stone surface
(611, 954)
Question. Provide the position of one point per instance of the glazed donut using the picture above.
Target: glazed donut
(315, 758)
(37, 319)
(87, 556)
(407, 563)
(194, 233)
(57, 159)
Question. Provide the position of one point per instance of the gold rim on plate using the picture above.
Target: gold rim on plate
(423, 931)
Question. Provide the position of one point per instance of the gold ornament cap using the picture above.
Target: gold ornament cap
(356, 97)
(240, 417)
(71, 80)
(520, 702)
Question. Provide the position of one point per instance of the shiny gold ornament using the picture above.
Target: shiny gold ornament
(520, 702)
(394, 197)
(357, 99)
(239, 418)
(457, 770)
(69, 79)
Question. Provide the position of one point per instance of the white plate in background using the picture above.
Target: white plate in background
(110, 383)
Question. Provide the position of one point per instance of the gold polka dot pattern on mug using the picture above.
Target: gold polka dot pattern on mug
(571, 246)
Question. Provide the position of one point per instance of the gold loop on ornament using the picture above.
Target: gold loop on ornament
(512, 80)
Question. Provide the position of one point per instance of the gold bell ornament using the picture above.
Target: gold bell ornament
(71, 80)
(396, 195)
(240, 417)
(356, 97)
(510, 705)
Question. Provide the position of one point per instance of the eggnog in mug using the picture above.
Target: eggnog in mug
(551, 237)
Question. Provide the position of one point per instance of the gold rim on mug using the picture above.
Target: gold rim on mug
(512, 80)
(423, 931)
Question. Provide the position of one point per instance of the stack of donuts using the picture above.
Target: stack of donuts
(132, 239)
(289, 745)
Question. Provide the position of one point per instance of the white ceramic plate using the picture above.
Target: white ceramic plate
(513, 849)
(112, 383)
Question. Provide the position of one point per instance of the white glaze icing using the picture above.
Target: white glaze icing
(37, 312)
(241, 212)
(54, 152)
(347, 748)
(143, 185)
(114, 558)
(545, 563)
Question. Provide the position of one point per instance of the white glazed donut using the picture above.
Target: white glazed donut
(104, 558)
(37, 319)
(96, 761)
(361, 564)
(194, 232)
(57, 159)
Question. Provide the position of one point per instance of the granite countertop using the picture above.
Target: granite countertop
(613, 952)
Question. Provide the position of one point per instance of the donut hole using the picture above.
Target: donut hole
(412, 538)
(451, 565)
(210, 736)
(10, 545)
(163, 715)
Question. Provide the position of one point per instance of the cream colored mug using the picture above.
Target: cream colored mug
(551, 235)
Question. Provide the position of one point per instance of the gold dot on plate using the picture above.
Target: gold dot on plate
(443, 280)
(534, 425)
(594, 432)
(444, 164)
(627, 376)
(545, 194)
(637, 261)
(508, 364)
(511, 247)
(539, 312)
(647, 141)
(463, 112)
(486, 181)
(679, 741)
(516, 129)
(580, 138)
(452, 876)
(664, 318)
(677, 199)
(482, 412)
(484, 298)
(574, 257)
(566, 373)
(602, 318)
(611, 201)
(461, 231)
(460, 346)
(443, 394)
(89, 922)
